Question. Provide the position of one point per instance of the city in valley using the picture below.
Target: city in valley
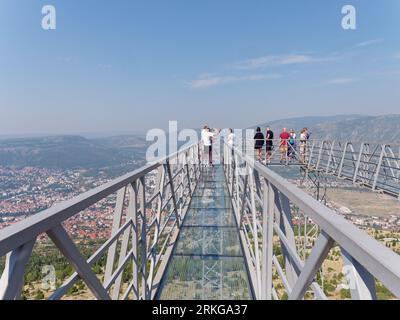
(28, 190)
(35, 185)
(199, 150)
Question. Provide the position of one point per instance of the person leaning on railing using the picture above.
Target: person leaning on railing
(230, 139)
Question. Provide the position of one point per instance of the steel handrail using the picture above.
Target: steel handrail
(368, 255)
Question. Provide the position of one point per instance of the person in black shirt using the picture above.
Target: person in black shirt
(259, 143)
(269, 144)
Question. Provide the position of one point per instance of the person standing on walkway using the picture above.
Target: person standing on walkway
(308, 133)
(206, 137)
(283, 145)
(259, 143)
(292, 145)
(230, 140)
(269, 144)
(303, 144)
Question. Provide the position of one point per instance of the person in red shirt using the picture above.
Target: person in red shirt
(283, 146)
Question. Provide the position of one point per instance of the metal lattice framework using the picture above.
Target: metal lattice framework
(374, 165)
(146, 225)
(144, 230)
(265, 205)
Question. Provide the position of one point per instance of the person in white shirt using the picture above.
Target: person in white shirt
(303, 144)
(206, 138)
(230, 140)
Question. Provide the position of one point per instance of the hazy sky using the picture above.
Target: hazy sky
(133, 65)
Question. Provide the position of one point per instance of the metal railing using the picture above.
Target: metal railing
(144, 230)
(374, 165)
(280, 152)
(268, 208)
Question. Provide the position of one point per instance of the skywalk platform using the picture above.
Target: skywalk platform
(181, 240)
(208, 262)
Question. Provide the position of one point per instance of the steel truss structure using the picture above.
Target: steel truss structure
(267, 209)
(265, 204)
(374, 165)
(144, 231)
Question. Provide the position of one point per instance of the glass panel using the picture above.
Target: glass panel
(208, 241)
(207, 262)
(208, 188)
(206, 279)
(211, 201)
(210, 217)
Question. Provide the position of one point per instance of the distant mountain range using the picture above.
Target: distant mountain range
(344, 127)
(71, 152)
(74, 151)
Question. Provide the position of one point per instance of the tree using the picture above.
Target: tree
(345, 294)
(39, 295)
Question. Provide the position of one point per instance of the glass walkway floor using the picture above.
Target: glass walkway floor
(207, 262)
